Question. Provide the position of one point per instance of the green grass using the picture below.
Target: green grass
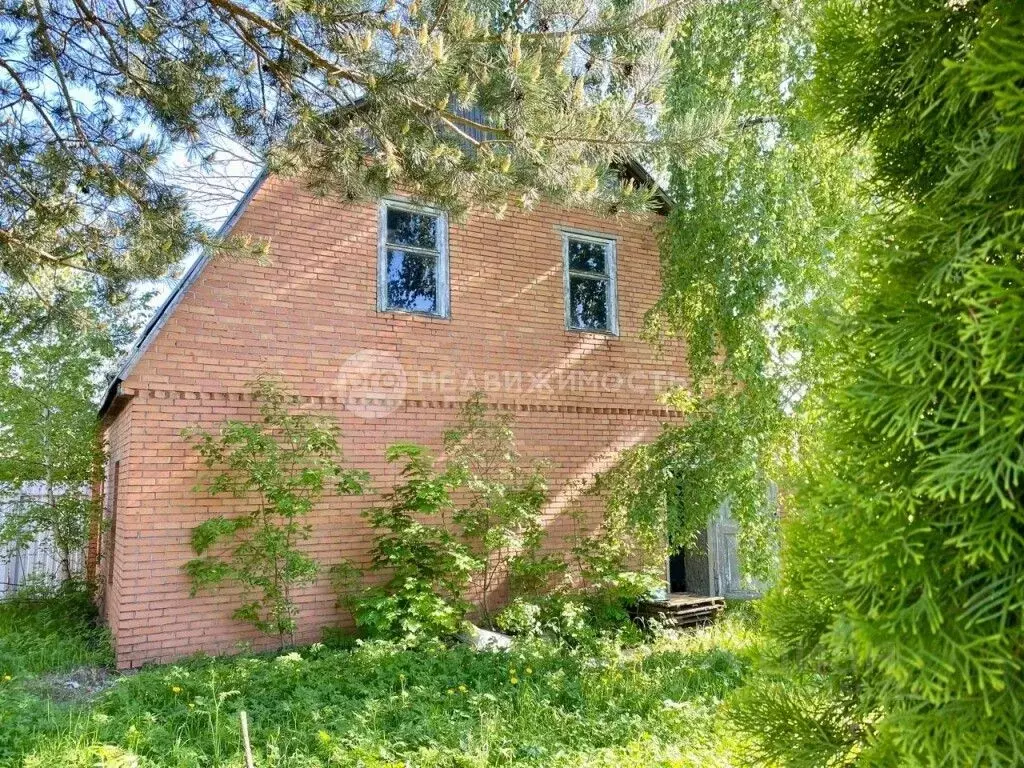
(376, 705)
(49, 633)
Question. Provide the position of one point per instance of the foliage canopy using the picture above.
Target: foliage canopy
(751, 261)
(103, 103)
(900, 602)
(50, 366)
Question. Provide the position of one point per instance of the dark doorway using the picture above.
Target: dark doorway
(677, 572)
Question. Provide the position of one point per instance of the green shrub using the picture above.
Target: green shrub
(426, 569)
(442, 533)
(577, 620)
(602, 581)
(898, 611)
(499, 502)
(615, 565)
(283, 464)
(521, 617)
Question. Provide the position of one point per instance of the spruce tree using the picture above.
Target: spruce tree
(900, 614)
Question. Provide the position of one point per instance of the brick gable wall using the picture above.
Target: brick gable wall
(309, 316)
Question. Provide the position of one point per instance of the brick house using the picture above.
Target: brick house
(387, 316)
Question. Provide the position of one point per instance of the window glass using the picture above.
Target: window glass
(412, 264)
(111, 533)
(411, 281)
(590, 284)
(587, 256)
(588, 303)
(410, 228)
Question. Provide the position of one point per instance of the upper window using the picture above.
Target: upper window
(412, 268)
(589, 284)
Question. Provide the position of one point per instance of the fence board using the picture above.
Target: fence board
(37, 560)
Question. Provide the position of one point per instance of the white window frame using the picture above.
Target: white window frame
(611, 274)
(443, 304)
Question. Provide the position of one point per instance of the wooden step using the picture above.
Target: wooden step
(680, 610)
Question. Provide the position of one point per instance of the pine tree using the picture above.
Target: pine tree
(457, 100)
(901, 609)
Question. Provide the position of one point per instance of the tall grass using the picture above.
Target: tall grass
(377, 705)
(44, 631)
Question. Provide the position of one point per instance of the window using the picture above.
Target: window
(412, 263)
(589, 284)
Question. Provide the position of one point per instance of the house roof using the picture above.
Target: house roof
(629, 169)
(152, 328)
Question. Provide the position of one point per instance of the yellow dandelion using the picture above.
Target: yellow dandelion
(463, 689)
(7, 678)
(175, 690)
(513, 680)
(528, 671)
(451, 691)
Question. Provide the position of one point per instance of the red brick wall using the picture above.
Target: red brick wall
(111, 546)
(309, 316)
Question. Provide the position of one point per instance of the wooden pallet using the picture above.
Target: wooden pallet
(680, 610)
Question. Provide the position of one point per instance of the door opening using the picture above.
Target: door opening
(677, 572)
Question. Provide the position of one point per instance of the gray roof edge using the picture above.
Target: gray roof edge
(161, 316)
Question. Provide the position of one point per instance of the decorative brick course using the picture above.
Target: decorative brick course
(309, 317)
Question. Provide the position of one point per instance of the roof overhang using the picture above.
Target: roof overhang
(167, 307)
(633, 170)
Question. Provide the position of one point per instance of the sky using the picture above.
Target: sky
(213, 188)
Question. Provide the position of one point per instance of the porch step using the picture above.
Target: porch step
(680, 609)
